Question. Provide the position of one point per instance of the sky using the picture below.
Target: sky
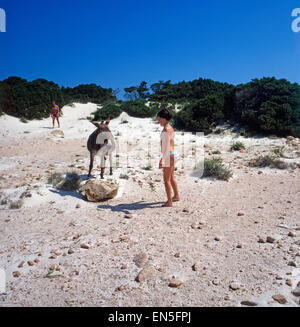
(124, 42)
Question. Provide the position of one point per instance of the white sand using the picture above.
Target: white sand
(49, 220)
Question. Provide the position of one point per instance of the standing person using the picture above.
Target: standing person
(167, 162)
(55, 113)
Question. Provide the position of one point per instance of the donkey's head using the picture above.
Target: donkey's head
(102, 126)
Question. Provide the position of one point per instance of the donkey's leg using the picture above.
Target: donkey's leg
(92, 156)
(110, 164)
(102, 165)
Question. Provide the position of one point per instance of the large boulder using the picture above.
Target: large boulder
(58, 133)
(96, 190)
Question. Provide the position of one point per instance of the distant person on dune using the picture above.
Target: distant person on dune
(167, 162)
(55, 113)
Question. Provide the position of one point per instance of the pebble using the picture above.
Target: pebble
(262, 240)
(292, 264)
(70, 251)
(291, 234)
(249, 303)
(175, 283)
(279, 298)
(270, 239)
(128, 216)
(21, 265)
(240, 214)
(140, 259)
(177, 255)
(145, 273)
(289, 282)
(36, 260)
(84, 246)
(185, 210)
(217, 238)
(234, 286)
(30, 263)
(77, 206)
(16, 274)
(195, 266)
(124, 266)
(239, 246)
(296, 291)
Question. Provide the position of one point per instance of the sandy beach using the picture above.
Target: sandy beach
(224, 242)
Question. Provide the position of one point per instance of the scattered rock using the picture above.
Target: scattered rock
(195, 266)
(249, 303)
(175, 283)
(259, 172)
(270, 239)
(177, 255)
(289, 282)
(70, 251)
(84, 246)
(292, 264)
(279, 298)
(36, 260)
(140, 259)
(234, 286)
(21, 265)
(185, 210)
(239, 246)
(240, 214)
(296, 291)
(16, 274)
(145, 273)
(53, 256)
(262, 240)
(217, 238)
(124, 266)
(30, 263)
(78, 206)
(125, 238)
(128, 216)
(291, 234)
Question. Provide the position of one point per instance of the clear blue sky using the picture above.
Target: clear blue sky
(123, 42)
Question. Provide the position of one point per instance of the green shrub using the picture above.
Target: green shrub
(268, 161)
(70, 183)
(216, 152)
(147, 168)
(110, 110)
(215, 168)
(55, 179)
(23, 120)
(16, 204)
(237, 146)
(138, 108)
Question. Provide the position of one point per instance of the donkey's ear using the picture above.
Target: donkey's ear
(107, 121)
(95, 123)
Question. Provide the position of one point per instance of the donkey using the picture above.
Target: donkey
(98, 144)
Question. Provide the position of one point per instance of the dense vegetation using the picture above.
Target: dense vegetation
(265, 106)
(33, 100)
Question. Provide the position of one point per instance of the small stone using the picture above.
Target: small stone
(240, 214)
(175, 283)
(21, 265)
(128, 216)
(296, 291)
(234, 286)
(279, 298)
(289, 282)
(217, 238)
(249, 303)
(124, 266)
(140, 259)
(125, 238)
(16, 274)
(216, 282)
(84, 246)
(77, 206)
(53, 256)
(195, 266)
(270, 239)
(52, 267)
(177, 255)
(70, 251)
(239, 246)
(145, 273)
(291, 234)
(292, 264)
(259, 172)
(36, 260)
(30, 263)
(185, 210)
(262, 240)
